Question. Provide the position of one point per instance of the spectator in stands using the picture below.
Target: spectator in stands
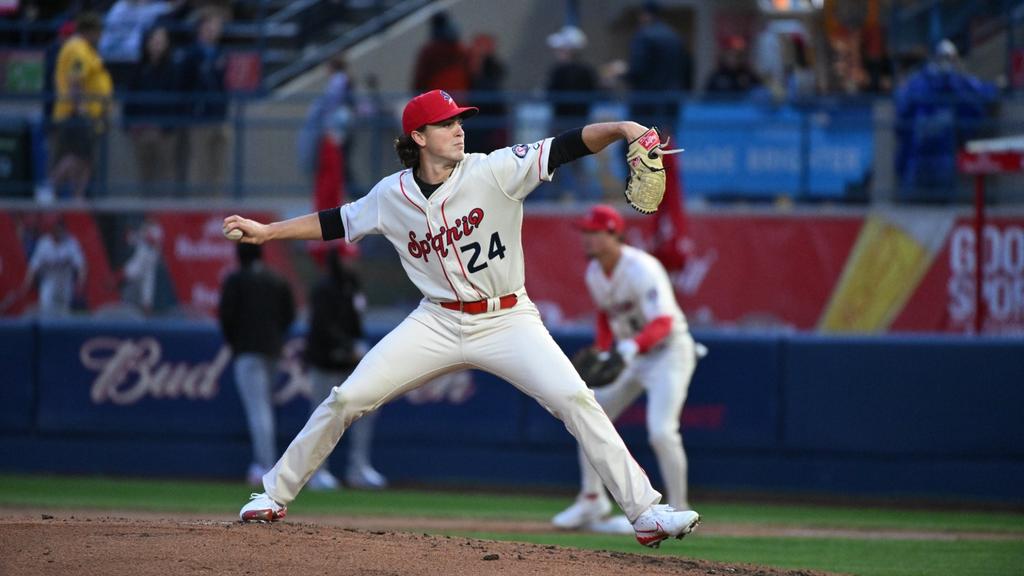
(486, 78)
(323, 137)
(202, 68)
(44, 192)
(938, 109)
(571, 81)
(256, 310)
(334, 345)
(58, 265)
(571, 84)
(65, 31)
(659, 63)
(443, 62)
(733, 74)
(151, 111)
(801, 82)
(123, 29)
(83, 89)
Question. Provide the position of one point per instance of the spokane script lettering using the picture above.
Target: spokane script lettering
(131, 370)
(446, 236)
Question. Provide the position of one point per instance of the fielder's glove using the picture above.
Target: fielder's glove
(646, 185)
(598, 368)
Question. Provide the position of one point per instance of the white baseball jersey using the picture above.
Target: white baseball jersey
(464, 243)
(637, 291)
(57, 265)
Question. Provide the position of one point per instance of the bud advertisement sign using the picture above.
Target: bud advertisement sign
(178, 379)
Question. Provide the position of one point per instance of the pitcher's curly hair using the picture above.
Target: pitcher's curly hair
(408, 151)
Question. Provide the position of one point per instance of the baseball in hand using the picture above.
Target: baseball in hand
(233, 234)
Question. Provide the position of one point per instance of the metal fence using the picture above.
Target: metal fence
(754, 149)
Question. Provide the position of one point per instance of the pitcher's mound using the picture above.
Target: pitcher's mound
(67, 544)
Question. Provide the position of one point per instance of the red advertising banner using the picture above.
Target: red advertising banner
(740, 270)
(20, 235)
(131, 263)
(908, 271)
(764, 270)
(13, 265)
(198, 258)
(945, 299)
(898, 271)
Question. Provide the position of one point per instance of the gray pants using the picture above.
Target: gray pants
(254, 377)
(360, 432)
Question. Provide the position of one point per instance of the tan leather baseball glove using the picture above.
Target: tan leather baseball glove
(646, 186)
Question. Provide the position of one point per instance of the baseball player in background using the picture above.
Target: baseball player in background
(639, 317)
(255, 311)
(456, 221)
(334, 344)
(59, 266)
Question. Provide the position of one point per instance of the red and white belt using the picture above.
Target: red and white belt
(481, 306)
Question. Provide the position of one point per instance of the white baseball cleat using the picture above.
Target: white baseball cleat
(323, 480)
(662, 522)
(365, 478)
(588, 508)
(261, 508)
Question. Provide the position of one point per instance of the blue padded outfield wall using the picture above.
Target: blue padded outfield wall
(893, 416)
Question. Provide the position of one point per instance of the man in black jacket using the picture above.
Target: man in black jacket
(334, 346)
(256, 309)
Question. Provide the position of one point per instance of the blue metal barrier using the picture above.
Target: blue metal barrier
(18, 363)
(920, 396)
(934, 416)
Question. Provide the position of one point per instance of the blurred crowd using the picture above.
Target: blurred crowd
(165, 62)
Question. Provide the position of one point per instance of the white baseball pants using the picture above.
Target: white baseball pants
(360, 439)
(512, 344)
(665, 374)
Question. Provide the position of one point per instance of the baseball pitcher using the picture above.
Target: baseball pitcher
(456, 221)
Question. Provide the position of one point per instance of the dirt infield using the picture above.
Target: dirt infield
(77, 543)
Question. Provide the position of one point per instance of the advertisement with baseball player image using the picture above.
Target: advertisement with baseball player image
(456, 221)
(642, 345)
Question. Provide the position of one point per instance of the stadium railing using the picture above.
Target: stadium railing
(751, 149)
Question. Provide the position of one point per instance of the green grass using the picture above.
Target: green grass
(850, 555)
(862, 557)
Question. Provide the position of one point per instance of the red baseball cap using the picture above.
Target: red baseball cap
(603, 218)
(430, 108)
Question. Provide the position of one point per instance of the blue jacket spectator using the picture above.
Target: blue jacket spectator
(938, 109)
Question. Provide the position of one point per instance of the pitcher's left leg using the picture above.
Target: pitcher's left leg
(517, 347)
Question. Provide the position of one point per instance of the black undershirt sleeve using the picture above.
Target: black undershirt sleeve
(331, 227)
(566, 147)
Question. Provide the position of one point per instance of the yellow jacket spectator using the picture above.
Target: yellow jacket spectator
(82, 82)
(83, 88)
